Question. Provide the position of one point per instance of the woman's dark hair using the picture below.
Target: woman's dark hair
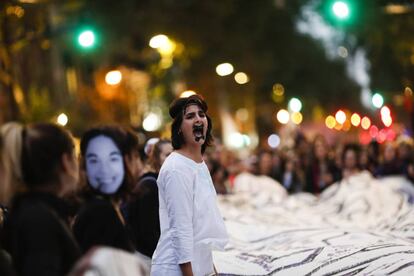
(124, 140)
(177, 109)
(43, 147)
(355, 148)
(131, 142)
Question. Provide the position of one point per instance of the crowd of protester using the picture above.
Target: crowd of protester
(56, 206)
(312, 165)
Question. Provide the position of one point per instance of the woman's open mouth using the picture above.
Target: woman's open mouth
(198, 131)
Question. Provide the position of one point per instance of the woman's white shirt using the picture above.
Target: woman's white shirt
(191, 224)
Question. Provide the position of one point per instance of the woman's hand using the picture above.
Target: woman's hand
(186, 269)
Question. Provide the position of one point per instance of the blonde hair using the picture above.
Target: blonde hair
(10, 160)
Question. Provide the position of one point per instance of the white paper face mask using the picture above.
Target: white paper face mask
(104, 165)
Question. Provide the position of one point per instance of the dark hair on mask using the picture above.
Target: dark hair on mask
(124, 140)
(177, 109)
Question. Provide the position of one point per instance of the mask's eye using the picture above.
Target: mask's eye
(92, 160)
(115, 157)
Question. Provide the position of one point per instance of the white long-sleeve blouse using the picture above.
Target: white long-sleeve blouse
(191, 224)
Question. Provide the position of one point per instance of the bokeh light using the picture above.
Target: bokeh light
(355, 119)
(295, 105)
(340, 117)
(296, 118)
(241, 78)
(346, 125)
(330, 122)
(373, 131)
(152, 122)
(382, 136)
(273, 141)
(365, 122)
(387, 121)
(224, 69)
(113, 77)
(158, 41)
(86, 39)
(62, 119)
(242, 114)
(385, 111)
(283, 116)
(340, 9)
(236, 140)
(342, 52)
(377, 100)
(187, 93)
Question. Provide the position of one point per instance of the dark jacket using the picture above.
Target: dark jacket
(98, 223)
(314, 176)
(143, 215)
(38, 236)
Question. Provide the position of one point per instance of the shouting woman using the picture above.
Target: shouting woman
(191, 224)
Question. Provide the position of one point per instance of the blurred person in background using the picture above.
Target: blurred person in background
(322, 171)
(369, 157)
(390, 164)
(350, 160)
(37, 233)
(10, 182)
(264, 163)
(278, 164)
(338, 154)
(142, 209)
(269, 164)
(108, 154)
(220, 177)
(405, 154)
(303, 151)
(10, 158)
(191, 224)
(292, 178)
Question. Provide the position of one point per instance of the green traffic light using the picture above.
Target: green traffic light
(341, 13)
(86, 39)
(341, 10)
(377, 100)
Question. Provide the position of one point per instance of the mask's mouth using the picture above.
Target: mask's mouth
(105, 181)
(198, 131)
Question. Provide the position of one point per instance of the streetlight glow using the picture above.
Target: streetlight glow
(283, 116)
(113, 77)
(164, 45)
(340, 117)
(224, 69)
(158, 41)
(241, 78)
(62, 119)
(152, 122)
(187, 93)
